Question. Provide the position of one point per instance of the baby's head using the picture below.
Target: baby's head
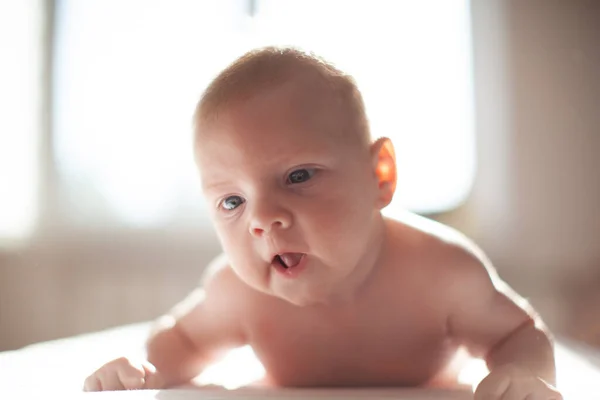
(293, 181)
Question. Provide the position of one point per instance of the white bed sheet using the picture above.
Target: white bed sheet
(57, 369)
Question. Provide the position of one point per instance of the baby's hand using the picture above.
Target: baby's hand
(122, 374)
(512, 382)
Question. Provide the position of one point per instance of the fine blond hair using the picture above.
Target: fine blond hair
(267, 68)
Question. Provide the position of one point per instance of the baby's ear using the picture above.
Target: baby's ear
(384, 165)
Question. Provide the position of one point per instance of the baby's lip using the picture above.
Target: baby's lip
(289, 264)
(286, 251)
(289, 260)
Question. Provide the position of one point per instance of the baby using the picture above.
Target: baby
(326, 290)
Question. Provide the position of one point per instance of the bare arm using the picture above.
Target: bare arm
(529, 346)
(197, 331)
(495, 323)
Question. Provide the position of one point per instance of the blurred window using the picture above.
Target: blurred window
(21, 83)
(128, 73)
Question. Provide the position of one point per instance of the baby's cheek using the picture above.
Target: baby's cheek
(247, 267)
(233, 244)
(340, 223)
(331, 215)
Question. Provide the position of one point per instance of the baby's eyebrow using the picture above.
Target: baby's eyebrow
(214, 185)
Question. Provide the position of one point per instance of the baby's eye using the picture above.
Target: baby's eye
(232, 202)
(300, 175)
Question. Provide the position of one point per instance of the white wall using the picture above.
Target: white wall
(540, 105)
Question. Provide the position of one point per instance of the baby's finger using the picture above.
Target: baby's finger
(109, 379)
(152, 379)
(530, 389)
(544, 392)
(493, 387)
(92, 384)
(131, 377)
(540, 396)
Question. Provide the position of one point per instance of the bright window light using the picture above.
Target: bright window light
(20, 80)
(129, 73)
(412, 62)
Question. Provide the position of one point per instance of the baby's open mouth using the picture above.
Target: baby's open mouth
(288, 260)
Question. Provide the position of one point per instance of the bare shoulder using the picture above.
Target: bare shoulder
(449, 255)
(223, 291)
(220, 292)
(426, 236)
(213, 311)
(477, 306)
(433, 233)
(219, 279)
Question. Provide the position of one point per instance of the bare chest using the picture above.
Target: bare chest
(374, 345)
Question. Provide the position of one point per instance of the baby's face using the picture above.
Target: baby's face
(293, 199)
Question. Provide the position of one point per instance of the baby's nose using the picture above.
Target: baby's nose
(266, 219)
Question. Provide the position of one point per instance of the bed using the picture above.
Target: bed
(57, 369)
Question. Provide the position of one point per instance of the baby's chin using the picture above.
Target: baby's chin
(302, 295)
(298, 300)
(294, 293)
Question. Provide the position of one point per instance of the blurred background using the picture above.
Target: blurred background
(493, 105)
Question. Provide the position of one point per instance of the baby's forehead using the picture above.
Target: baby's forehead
(289, 107)
(298, 97)
(299, 92)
